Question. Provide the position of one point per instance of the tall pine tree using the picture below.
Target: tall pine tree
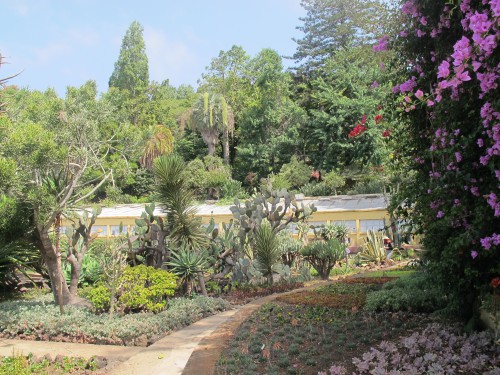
(131, 70)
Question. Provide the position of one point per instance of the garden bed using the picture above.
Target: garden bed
(41, 320)
(326, 328)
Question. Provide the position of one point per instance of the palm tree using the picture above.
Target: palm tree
(211, 115)
(161, 142)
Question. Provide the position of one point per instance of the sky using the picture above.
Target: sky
(60, 43)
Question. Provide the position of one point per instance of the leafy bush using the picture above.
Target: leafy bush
(323, 255)
(315, 189)
(99, 296)
(42, 319)
(146, 288)
(414, 293)
(296, 172)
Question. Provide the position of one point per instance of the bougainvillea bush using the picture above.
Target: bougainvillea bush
(449, 106)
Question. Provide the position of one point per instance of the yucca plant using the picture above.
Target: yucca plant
(187, 264)
(373, 249)
(266, 250)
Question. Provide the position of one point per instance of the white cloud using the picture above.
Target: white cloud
(169, 59)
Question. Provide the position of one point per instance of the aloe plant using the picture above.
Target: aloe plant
(373, 249)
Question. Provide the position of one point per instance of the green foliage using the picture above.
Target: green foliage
(20, 364)
(146, 288)
(296, 172)
(315, 189)
(416, 293)
(184, 227)
(338, 231)
(266, 250)
(17, 258)
(373, 249)
(335, 25)
(333, 181)
(323, 255)
(98, 295)
(131, 69)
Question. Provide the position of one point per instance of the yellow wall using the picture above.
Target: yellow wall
(356, 237)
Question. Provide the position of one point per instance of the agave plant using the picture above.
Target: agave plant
(373, 249)
(187, 264)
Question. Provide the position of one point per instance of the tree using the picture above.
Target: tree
(269, 127)
(131, 73)
(331, 25)
(211, 116)
(227, 76)
(131, 69)
(59, 162)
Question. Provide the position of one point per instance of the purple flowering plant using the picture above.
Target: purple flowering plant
(449, 106)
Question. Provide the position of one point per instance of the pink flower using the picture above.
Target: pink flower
(444, 69)
(382, 44)
(473, 254)
(419, 94)
(479, 23)
(462, 51)
(495, 7)
(440, 214)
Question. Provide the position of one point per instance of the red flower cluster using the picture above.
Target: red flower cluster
(359, 128)
(378, 119)
(495, 283)
(386, 133)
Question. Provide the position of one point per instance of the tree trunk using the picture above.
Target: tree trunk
(54, 266)
(52, 258)
(201, 279)
(226, 147)
(211, 148)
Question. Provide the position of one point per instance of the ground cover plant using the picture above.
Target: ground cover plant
(40, 319)
(301, 337)
(330, 329)
(28, 364)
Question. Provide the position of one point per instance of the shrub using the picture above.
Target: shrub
(323, 255)
(296, 172)
(315, 189)
(99, 296)
(146, 288)
(414, 293)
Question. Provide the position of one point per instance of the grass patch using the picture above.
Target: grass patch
(390, 273)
